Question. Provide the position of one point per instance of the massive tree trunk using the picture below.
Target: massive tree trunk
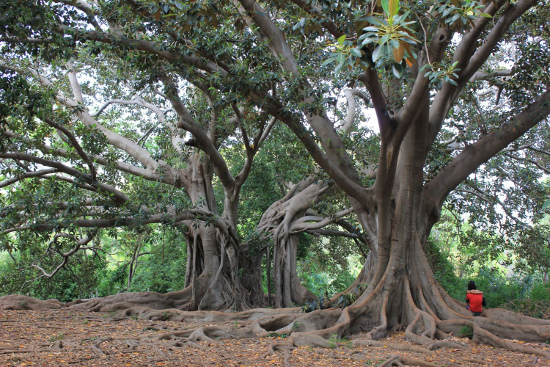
(277, 222)
(214, 257)
(212, 261)
(282, 222)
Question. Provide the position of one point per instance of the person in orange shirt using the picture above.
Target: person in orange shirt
(475, 299)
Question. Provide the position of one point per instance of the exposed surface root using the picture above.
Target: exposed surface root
(475, 360)
(396, 360)
(427, 325)
(284, 347)
(62, 337)
(18, 302)
(481, 335)
(445, 344)
(396, 346)
(309, 339)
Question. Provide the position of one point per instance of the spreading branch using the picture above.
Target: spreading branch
(65, 255)
(487, 147)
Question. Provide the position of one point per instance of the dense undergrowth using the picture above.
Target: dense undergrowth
(524, 293)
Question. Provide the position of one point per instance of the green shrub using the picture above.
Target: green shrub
(466, 332)
(540, 292)
(76, 280)
(444, 271)
(162, 271)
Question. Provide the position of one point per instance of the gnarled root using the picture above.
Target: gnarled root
(19, 302)
(397, 360)
(396, 346)
(481, 335)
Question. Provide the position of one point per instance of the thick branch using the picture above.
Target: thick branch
(23, 176)
(311, 223)
(118, 196)
(316, 12)
(484, 75)
(188, 123)
(485, 148)
(143, 45)
(191, 214)
(121, 166)
(385, 123)
(114, 139)
(494, 37)
(471, 64)
(273, 34)
(350, 97)
(75, 144)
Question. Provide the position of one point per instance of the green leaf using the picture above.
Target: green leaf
(371, 29)
(369, 39)
(377, 53)
(356, 52)
(328, 61)
(386, 7)
(341, 40)
(397, 70)
(546, 205)
(299, 24)
(339, 66)
(393, 7)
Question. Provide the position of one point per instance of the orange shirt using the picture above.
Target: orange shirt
(475, 299)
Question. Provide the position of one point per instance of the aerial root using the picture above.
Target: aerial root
(397, 360)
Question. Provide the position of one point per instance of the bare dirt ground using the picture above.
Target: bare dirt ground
(75, 338)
